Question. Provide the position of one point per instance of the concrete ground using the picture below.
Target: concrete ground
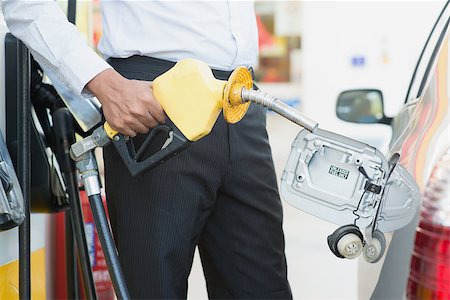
(313, 271)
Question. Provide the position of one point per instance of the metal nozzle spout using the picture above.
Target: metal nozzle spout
(279, 107)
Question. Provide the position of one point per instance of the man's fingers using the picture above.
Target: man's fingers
(153, 106)
(132, 108)
(125, 130)
(129, 132)
(140, 128)
(148, 121)
(157, 112)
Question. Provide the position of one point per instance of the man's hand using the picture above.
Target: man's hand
(128, 105)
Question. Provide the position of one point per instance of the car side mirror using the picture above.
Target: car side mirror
(361, 106)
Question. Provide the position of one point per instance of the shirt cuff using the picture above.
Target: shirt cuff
(80, 66)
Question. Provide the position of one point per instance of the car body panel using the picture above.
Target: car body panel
(402, 198)
(420, 129)
(421, 135)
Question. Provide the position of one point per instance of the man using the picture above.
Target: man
(220, 193)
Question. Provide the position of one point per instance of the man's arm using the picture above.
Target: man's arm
(128, 105)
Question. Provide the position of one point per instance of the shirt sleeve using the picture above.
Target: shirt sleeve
(53, 41)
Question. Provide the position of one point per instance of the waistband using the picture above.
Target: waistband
(142, 64)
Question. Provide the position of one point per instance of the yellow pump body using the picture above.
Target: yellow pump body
(191, 97)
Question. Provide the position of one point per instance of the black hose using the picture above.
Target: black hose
(64, 137)
(108, 246)
(71, 260)
(80, 235)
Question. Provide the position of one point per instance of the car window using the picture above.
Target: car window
(429, 54)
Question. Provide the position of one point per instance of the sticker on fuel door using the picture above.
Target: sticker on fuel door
(339, 172)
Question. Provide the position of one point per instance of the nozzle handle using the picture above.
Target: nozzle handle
(136, 163)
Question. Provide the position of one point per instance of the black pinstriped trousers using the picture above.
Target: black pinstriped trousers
(220, 194)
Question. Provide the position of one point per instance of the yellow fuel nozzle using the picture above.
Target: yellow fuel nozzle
(193, 99)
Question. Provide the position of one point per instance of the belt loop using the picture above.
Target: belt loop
(252, 72)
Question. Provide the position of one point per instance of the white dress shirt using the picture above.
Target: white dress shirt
(221, 33)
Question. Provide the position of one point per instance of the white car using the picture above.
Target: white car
(417, 261)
